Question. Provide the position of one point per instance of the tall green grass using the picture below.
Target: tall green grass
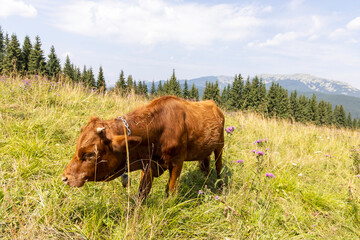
(315, 193)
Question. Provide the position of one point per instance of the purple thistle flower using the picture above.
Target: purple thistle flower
(358, 176)
(200, 192)
(240, 161)
(253, 151)
(270, 175)
(267, 149)
(217, 197)
(260, 153)
(327, 155)
(230, 129)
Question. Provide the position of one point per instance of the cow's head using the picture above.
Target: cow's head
(100, 154)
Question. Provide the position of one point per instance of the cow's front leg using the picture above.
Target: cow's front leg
(174, 170)
(145, 182)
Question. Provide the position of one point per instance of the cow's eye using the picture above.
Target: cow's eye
(88, 156)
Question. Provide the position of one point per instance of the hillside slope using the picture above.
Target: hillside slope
(305, 186)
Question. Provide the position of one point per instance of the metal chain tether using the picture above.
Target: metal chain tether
(126, 126)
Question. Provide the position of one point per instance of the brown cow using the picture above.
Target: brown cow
(160, 136)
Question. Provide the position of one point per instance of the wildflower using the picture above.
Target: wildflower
(260, 153)
(300, 174)
(267, 149)
(327, 155)
(270, 175)
(352, 150)
(294, 164)
(200, 192)
(254, 151)
(358, 176)
(240, 161)
(230, 129)
(58, 94)
(217, 197)
(318, 152)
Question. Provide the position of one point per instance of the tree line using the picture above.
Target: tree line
(277, 103)
(29, 59)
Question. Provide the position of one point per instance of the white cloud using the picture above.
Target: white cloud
(277, 40)
(267, 9)
(13, 7)
(339, 33)
(348, 31)
(157, 21)
(294, 4)
(354, 24)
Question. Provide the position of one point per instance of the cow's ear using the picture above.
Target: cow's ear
(119, 143)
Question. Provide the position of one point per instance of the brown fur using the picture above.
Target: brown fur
(164, 134)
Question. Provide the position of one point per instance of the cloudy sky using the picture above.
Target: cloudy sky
(149, 38)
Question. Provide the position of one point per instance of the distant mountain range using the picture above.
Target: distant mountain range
(335, 92)
(309, 83)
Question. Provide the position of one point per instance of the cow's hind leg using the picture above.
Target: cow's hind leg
(205, 165)
(218, 161)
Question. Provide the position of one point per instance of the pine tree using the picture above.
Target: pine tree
(304, 109)
(166, 89)
(144, 89)
(273, 100)
(225, 97)
(53, 66)
(236, 93)
(12, 60)
(120, 84)
(246, 94)
(90, 79)
(284, 105)
(354, 123)
(160, 90)
(194, 93)
(129, 83)
(349, 121)
(37, 63)
(216, 93)
(136, 90)
(207, 91)
(100, 83)
(153, 90)
(25, 54)
(330, 114)
(322, 113)
(339, 116)
(314, 111)
(2, 49)
(186, 93)
(139, 89)
(77, 74)
(174, 86)
(295, 106)
(68, 69)
(84, 75)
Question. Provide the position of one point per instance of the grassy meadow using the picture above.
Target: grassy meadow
(305, 186)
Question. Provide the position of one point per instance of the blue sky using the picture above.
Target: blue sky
(149, 38)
